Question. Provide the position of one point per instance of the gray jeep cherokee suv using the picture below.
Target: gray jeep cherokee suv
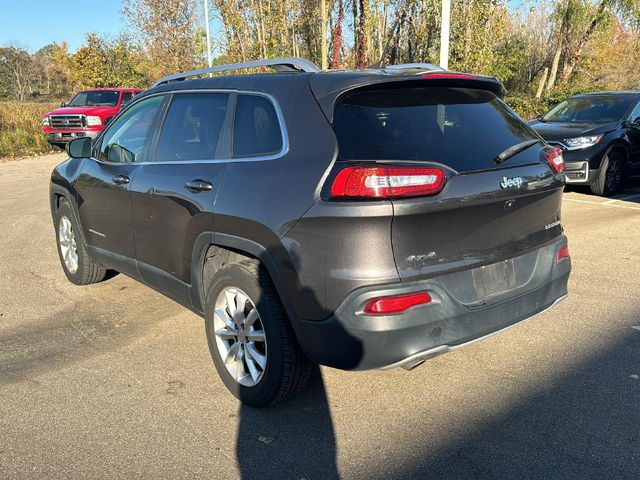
(355, 219)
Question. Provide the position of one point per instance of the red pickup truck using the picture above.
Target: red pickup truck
(86, 114)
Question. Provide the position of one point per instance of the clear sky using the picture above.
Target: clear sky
(35, 23)
(32, 24)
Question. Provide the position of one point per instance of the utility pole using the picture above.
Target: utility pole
(444, 34)
(323, 35)
(206, 21)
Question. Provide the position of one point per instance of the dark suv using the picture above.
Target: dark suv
(355, 219)
(599, 134)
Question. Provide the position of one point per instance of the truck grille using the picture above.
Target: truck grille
(66, 122)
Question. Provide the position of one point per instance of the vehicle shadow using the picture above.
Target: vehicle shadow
(582, 425)
(294, 439)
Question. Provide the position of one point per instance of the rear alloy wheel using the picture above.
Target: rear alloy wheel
(609, 180)
(240, 337)
(250, 338)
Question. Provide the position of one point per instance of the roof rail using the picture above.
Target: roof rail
(284, 64)
(412, 66)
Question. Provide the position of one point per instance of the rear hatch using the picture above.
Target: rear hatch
(488, 211)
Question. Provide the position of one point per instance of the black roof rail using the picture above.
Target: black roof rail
(284, 64)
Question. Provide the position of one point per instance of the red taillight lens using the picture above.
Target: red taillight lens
(448, 76)
(563, 252)
(396, 304)
(387, 182)
(553, 155)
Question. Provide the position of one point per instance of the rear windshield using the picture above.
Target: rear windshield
(589, 110)
(462, 128)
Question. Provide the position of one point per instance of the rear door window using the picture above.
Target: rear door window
(462, 128)
(193, 127)
(256, 130)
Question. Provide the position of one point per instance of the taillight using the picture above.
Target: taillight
(387, 182)
(396, 304)
(563, 253)
(553, 155)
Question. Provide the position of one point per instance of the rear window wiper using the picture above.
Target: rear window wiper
(515, 149)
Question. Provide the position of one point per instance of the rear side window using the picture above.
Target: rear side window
(462, 128)
(192, 129)
(127, 97)
(256, 130)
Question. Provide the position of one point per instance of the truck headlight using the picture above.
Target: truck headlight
(93, 121)
(581, 142)
(45, 121)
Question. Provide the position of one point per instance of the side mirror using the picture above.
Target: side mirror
(79, 147)
(118, 154)
(63, 104)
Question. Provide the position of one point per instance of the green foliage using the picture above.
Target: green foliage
(106, 63)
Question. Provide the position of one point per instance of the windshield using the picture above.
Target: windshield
(96, 98)
(589, 110)
(463, 128)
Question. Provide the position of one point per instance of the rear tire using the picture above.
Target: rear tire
(76, 263)
(610, 177)
(240, 341)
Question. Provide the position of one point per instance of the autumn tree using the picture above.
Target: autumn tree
(102, 62)
(17, 73)
(167, 33)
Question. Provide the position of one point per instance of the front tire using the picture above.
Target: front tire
(76, 263)
(610, 178)
(250, 339)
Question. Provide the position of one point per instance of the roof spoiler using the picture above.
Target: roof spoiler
(327, 92)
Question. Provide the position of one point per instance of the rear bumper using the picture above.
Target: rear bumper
(353, 341)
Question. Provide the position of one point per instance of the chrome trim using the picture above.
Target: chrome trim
(584, 169)
(283, 129)
(82, 118)
(417, 358)
(283, 64)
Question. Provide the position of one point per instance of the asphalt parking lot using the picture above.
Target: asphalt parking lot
(115, 381)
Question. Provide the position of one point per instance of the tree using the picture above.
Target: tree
(17, 72)
(167, 34)
(627, 9)
(336, 37)
(102, 62)
(54, 61)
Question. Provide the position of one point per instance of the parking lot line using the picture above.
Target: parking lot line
(604, 204)
(622, 198)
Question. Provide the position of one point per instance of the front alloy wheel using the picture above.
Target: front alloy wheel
(68, 246)
(613, 177)
(240, 337)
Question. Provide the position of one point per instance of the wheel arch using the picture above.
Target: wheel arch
(214, 250)
(618, 145)
(58, 194)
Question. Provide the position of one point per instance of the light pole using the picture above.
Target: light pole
(206, 21)
(444, 34)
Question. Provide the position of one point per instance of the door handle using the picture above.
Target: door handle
(198, 186)
(120, 179)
